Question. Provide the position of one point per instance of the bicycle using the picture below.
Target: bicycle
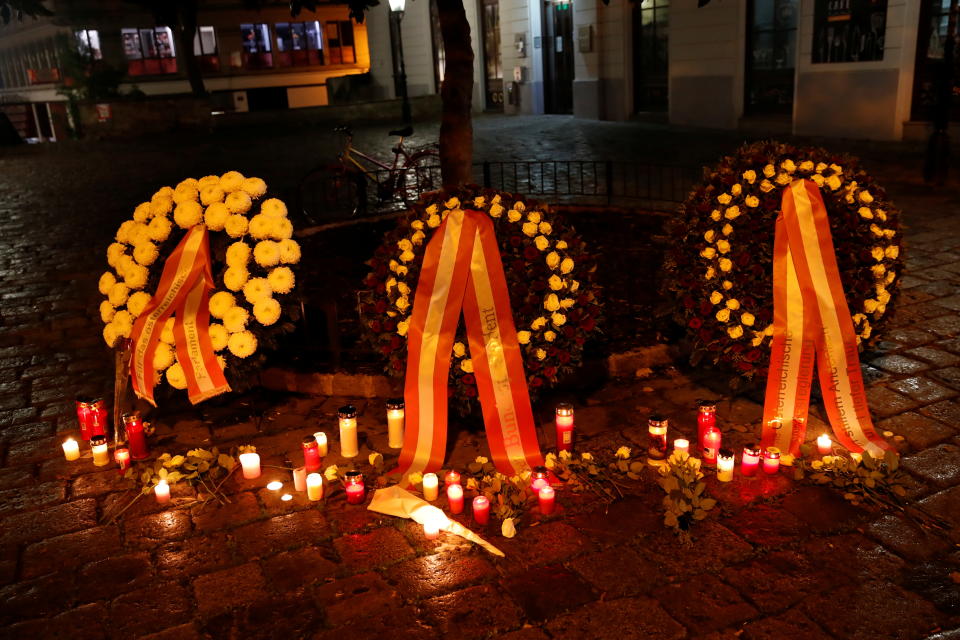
(411, 173)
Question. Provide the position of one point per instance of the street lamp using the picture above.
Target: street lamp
(400, 73)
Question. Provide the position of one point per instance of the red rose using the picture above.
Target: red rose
(397, 364)
(468, 379)
(580, 340)
(563, 357)
(470, 392)
(753, 355)
(518, 265)
(550, 372)
(744, 366)
(737, 348)
(515, 241)
(706, 308)
(531, 253)
(382, 271)
(390, 325)
(535, 381)
(588, 324)
(395, 342)
(695, 323)
(386, 349)
(375, 326)
(705, 335)
(371, 281)
(381, 306)
(689, 303)
(569, 331)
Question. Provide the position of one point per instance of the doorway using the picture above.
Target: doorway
(771, 56)
(558, 56)
(492, 67)
(650, 64)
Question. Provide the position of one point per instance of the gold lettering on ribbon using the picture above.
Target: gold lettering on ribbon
(498, 372)
(151, 323)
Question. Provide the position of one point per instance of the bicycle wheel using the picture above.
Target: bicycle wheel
(421, 174)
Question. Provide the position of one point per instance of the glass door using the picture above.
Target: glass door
(492, 67)
(650, 68)
(771, 55)
(558, 56)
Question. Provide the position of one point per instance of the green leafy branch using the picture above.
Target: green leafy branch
(686, 501)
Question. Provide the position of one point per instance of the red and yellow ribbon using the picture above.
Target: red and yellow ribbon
(183, 293)
(811, 324)
(463, 271)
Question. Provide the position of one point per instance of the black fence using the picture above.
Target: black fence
(331, 194)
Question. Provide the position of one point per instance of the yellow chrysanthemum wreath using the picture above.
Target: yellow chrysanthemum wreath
(719, 267)
(252, 262)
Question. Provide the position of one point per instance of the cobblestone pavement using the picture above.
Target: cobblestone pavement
(779, 560)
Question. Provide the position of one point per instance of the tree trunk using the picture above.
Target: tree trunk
(456, 92)
(186, 32)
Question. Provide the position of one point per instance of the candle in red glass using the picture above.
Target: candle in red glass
(311, 454)
(452, 477)
(97, 418)
(538, 478)
(354, 487)
(122, 456)
(136, 438)
(750, 460)
(83, 416)
(547, 498)
(711, 445)
(455, 498)
(564, 421)
(657, 431)
(771, 460)
(706, 418)
(481, 510)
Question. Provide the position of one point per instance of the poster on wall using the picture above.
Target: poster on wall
(848, 30)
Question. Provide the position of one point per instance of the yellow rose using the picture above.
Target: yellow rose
(716, 297)
(496, 211)
(459, 349)
(433, 221)
(870, 305)
(541, 354)
(736, 189)
(715, 215)
(555, 282)
(479, 201)
(881, 215)
(519, 206)
(750, 176)
(523, 337)
(566, 266)
(534, 217)
(545, 228)
(865, 197)
(821, 166)
(727, 285)
(766, 186)
(769, 330)
(541, 243)
(405, 245)
(549, 336)
(723, 246)
(403, 288)
(783, 178)
(732, 213)
(710, 273)
(724, 198)
(889, 233)
(402, 303)
(817, 179)
(807, 166)
(727, 229)
(875, 230)
(452, 203)
(553, 259)
(865, 213)
(529, 229)
(733, 304)
(788, 165)
(735, 332)
(538, 323)
(747, 319)
(878, 270)
(725, 264)
(769, 171)
(892, 251)
(558, 319)
(833, 182)
(402, 327)
(752, 201)
(552, 302)
(723, 315)
(708, 252)
(890, 277)
(406, 256)
(709, 235)
(467, 365)
(561, 244)
(877, 253)
(513, 215)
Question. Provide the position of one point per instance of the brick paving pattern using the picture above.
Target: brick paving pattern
(778, 560)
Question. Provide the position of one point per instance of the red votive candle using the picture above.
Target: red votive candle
(538, 478)
(824, 444)
(354, 487)
(711, 445)
(452, 477)
(750, 460)
(481, 510)
(657, 436)
(311, 454)
(706, 419)
(136, 438)
(83, 416)
(771, 460)
(122, 456)
(547, 498)
(97, 418)
(564, 422)
(455, 498)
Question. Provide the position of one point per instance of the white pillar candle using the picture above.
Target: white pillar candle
(395, 420)
(314, 486)
(321, 442)
(251, 465)
(71, 449)
(101, 452)
(725, 465)
(824, 444)
(349, 447)
(681, 445)
(431, 487)
(300, 478)
(162, 491)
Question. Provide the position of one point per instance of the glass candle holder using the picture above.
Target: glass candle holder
(750, 460)
(395, 423)
(771, 460)
(83, 416)
(349, 447)
(481, 510)
(725, 465)
(547, 498)
(452, 477)
(97, 425)
(315, 487)
(706, 419)
(71, 449)
(311, 454)
(162, 492)
(122, 456)
(321, 443)
(455, 498)
(539, 478)
(136, 438)
(431, 487)
(657, 437)
(101, 453)
(824, 444)
(564, 423)
(711, 445)
(353, 485)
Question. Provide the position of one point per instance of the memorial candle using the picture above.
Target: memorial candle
(395, 420)
(83, 416)
(300, 479)
(452, 477)
(315, 487)
(251, 465)
(455, 498)
(162, 492)
(349, 447)
(564, 422)
(276, 485)
(71, 449)
(97, 418)
(771, 460)
(711, 445)
(539, 478)
(481, 510)
(321, 443)
(657, 437)
(311, 454)
(431, 529)
(706, 419)
(122, 456)
(547, 497)
(431, 487)
(136, 438)
(725, 465)
(681, 445)
(353, 485)
(101, 453)
(750, 460)
(824, 444)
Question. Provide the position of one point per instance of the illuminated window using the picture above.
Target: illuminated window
(205, 48)
(340, 49)
(298, 43)
(149, 51)
(88, 43)
(256, 46)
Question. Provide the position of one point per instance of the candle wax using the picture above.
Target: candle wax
(321, 443)
(824, 444)
(431, 531)
(455, 498)
(315, 486)
(681, 445)
(71, 449)
(349, 447)
(395, 420)
(162, 492)
(251, 465)
(431, 487)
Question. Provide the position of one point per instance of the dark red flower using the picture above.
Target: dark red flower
(531, 253)
(535, 381)
(705, 335)
(549, 372)
(706, 308)
(744, 366)
(695, 323)
(470, 392)
(563, 357)
(468, 379)
(753, 355)
(386, 349)
(515, 241)
(588, 324)
(375, 326)
(381, 306)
